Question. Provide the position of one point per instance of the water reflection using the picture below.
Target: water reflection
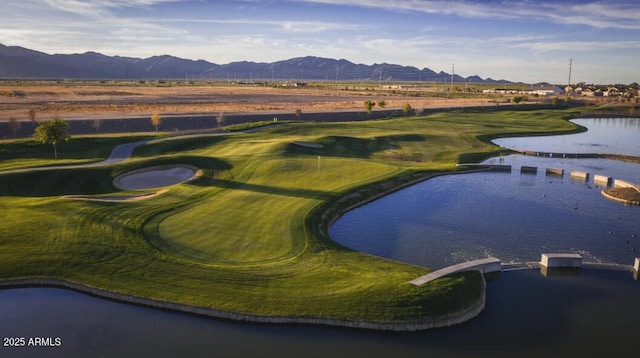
(526, 315)
(605, 135)
(512, 216)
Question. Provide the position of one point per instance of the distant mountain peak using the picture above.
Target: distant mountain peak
(19, 62)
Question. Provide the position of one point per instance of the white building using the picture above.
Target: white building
(543, 90)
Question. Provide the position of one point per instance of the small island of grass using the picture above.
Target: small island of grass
(629, 196)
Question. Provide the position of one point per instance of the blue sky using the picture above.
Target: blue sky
(529, 41)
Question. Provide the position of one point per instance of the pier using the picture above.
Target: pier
(550, 264)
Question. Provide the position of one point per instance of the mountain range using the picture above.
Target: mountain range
(19, 62)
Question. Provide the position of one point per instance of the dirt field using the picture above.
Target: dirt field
(95, 100)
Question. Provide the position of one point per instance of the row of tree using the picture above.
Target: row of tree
(55, 131)
(369, 105)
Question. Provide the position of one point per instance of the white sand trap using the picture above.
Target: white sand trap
(155, 177)
(308, 144)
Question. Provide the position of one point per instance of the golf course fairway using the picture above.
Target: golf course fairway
(248, 239)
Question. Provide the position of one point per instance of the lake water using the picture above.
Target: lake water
(527, 315)
(445, 220)
(605, 135)
(512, 216)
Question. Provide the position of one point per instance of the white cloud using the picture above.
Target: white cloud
(578, 46)
(284, 25)
(599, 14)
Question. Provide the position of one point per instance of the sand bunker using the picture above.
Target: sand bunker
(155, 177)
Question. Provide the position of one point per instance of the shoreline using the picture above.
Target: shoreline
(610, 194)
(406, 326)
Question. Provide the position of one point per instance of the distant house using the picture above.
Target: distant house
(501, 91)
(543, 90)
(391, 87)
(612, 92)
(592, 92)
(295, 84)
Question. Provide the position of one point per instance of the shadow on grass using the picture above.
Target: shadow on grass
(173, 146)
(94, 180)
(354, 147)
(76, 148)
(294, 192)
(79, 181)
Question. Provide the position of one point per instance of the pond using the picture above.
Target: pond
(605, 135)
(513, 216)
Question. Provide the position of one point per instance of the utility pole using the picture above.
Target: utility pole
(570, 64)
(453, 66)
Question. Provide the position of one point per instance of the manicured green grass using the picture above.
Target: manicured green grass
(28, 153)
(250, 236)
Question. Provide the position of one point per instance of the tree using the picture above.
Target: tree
(368, 106)
(519, 99)
(299, 113)
(97, 123)
(220, 119)
(15, 126)
(406, 108)
(382, 103)
(52, 132)
(32, 117)
(155, 119)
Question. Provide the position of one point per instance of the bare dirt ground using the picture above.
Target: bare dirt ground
(95, 100)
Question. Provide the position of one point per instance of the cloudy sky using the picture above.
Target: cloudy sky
(518, 40)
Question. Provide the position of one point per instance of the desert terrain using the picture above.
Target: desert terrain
(90, 100)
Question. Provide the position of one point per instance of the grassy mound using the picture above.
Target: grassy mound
(624, 195)
(250, 236)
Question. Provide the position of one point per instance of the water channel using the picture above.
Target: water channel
(449, 219)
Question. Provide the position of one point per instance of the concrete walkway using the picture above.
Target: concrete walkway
(490, 264)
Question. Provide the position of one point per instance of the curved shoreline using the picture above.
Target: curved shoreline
(402, 326)
(124, 151)
(610, 196)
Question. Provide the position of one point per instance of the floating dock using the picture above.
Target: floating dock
(561, 260)
(555, 171)
(602, 179)
(579, 175)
